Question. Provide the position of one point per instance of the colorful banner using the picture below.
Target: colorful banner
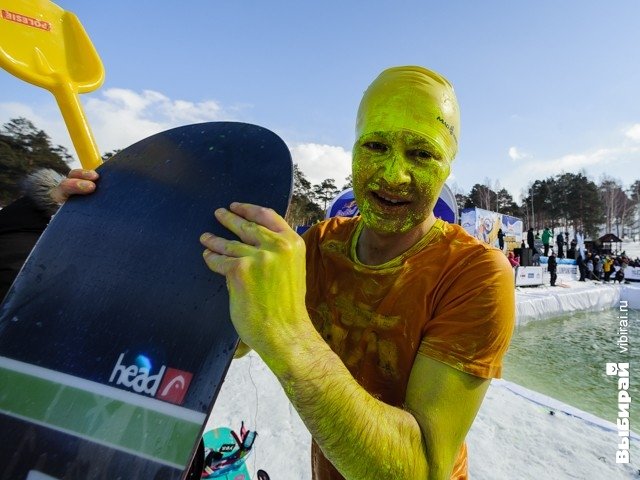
(485, 224)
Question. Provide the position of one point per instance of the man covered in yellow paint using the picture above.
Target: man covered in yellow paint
(389, 350)
(385, 329)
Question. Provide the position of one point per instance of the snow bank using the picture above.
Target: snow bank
(538, 303)
(631, 293)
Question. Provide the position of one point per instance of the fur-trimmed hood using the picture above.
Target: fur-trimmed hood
(38, 185)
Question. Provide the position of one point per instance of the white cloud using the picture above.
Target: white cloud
(319, 162)
(152, 104)
(633, 132)
(120, 117)
(573, 162)
(576, 161)
(617, 157)
(516, 154)
(594, 162)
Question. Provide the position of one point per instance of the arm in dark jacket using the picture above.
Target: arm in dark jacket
(23, 221)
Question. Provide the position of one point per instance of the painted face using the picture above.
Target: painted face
(397, 178)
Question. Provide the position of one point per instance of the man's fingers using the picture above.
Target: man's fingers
(78, 182)
(260, 215)
(71, 186)
(217, 263)
(252, 223)
(83, 174)
(75, 186)
(249, 232)
(222, 246)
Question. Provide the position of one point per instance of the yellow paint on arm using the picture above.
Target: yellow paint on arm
(444, 401)
(366, 438)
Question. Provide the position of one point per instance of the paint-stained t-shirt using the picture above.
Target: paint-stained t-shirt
(449, 297)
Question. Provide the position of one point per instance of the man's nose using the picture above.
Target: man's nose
(396, 170)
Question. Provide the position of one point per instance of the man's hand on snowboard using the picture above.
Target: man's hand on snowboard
(78, 182)
(266, 277)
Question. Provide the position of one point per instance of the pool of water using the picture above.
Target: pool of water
(565, 357)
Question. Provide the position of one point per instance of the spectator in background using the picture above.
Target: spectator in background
(582, 269)
(531, 241)
(598, 266)
(501, 239)
(560, 242)
(546, 237)
(619, 276)
(607, 268)
(571, 249)
(513, 259)
(552, 267)
(590, 268)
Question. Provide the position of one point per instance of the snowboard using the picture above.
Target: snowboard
(115, 337)
(226, 453)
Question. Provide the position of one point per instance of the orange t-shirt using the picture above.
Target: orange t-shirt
(449, 297)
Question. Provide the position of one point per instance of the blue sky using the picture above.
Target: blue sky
(544, 87)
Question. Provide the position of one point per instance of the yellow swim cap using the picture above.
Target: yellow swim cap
(415, 99)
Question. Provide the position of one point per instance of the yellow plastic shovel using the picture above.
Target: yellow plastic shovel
(47, 46)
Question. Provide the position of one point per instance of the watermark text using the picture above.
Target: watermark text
(621, 371)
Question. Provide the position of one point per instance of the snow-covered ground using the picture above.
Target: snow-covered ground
(515, 435)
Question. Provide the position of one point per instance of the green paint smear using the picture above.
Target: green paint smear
(100, 418)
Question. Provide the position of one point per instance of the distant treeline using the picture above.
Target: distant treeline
(567, 200)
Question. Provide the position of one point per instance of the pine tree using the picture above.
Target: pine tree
(325, 191)
(302, 209)
(481, 196)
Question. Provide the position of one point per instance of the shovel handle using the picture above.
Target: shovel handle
(78, 126)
